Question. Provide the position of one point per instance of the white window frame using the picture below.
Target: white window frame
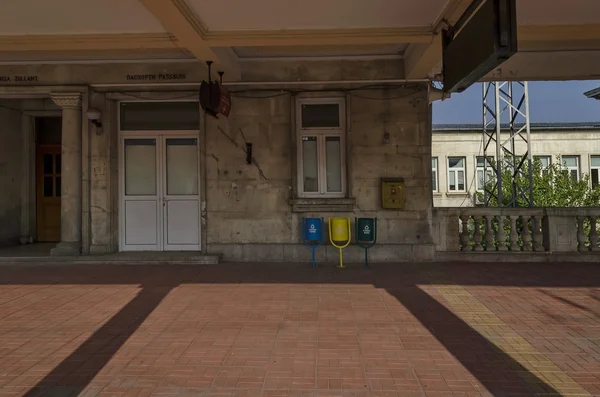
(546, 156)
(456, 171)
(594, 167)
(481, 169)
(435, 174)
(571, 168)
(321, 133)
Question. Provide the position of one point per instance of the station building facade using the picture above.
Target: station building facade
(109, 157)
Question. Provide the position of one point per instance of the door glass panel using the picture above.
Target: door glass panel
(48, 186)
(140, 167)
(47, 160)
(57, 186)
(309, 164)
(57, 162)
(182, 166)
(334, 164)
(452, 180)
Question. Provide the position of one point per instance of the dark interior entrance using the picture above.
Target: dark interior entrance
(48, 177)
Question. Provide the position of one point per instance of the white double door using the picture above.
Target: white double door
(160, 192)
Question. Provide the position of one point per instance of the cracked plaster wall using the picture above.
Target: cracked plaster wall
(248, 205)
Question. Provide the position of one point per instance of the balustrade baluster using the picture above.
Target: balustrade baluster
(594, 234)
(501, 234)
(538, 235)
(526, 234)
(581, 233)
(514, 234)
(464, 235)
(489, 233)
(477, 237)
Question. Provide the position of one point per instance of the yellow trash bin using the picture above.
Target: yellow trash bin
(339, 234)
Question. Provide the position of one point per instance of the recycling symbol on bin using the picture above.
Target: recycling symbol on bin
(312, 229)
(367, 230)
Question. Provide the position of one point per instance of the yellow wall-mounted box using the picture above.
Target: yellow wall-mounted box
(392, 193)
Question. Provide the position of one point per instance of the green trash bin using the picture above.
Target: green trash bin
(366, 234)
(366, 231)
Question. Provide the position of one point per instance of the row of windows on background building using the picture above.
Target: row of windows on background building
(456, 176)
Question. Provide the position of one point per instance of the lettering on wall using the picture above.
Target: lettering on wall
(19, 79)
(11, 79)
(157, 76)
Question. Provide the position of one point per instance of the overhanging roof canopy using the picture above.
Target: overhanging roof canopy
(558, 39)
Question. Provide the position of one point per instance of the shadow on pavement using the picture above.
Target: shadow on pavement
(492, 367)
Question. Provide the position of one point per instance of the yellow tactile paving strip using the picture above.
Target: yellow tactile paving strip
(504, 338)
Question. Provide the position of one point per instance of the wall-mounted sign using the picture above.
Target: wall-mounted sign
(155, 77)
(18, 79)
(101, 74)
(224, 102)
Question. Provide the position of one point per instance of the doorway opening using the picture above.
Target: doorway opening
(159, 167)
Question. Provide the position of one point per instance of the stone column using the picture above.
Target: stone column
(27, 178)
(70, 206)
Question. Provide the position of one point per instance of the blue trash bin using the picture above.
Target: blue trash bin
(313, 234)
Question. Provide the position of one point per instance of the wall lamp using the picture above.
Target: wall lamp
(94, 115)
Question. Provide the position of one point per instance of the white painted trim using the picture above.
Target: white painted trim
(593, 167)
(122, 200)
(578, 168)
(321, 134)
(437, 172)
(464, 169)
(160, 136)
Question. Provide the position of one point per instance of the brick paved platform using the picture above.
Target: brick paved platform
(288, 330)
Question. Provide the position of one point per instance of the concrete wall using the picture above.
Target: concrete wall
(10, 173)
(554, 143)
(249, 211)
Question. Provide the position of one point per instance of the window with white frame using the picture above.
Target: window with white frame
(545, 162)
(321, 147)
(595, 171)
(571, 164)
(434, 174)
(484, 172)
(456, 174)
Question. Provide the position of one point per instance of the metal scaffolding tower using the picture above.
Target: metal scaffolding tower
(507, 144)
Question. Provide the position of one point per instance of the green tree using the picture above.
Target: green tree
(553, 186)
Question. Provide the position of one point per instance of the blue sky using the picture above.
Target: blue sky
(549, 102)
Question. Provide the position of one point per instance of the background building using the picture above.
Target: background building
(457, 157)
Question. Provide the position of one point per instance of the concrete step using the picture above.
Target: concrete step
(175, 258)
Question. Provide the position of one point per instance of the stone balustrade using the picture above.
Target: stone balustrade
(533, 230)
